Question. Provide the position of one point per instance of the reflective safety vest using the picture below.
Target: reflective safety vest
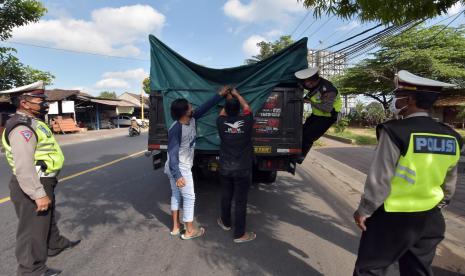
(48, 154)
(317, 99)
(426, 158)
(325, 86)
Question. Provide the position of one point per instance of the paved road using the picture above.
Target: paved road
(121, 212)
(360, 159)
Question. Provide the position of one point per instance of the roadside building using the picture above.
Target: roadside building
(448, 108)
(97, 113)
(135, 99)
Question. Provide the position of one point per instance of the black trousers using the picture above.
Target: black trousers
(408, 238)
(237, 186)
(314, 128)
(37, 232)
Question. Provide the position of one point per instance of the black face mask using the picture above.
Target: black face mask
(44, 106)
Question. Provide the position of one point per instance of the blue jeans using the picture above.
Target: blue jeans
(184, 196)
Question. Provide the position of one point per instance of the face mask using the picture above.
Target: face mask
(43, 107)
(393, 107)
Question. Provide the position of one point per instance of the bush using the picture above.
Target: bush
(367, 115)
(357, 114)
(375, 114)
(341, 125)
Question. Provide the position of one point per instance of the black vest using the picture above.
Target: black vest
(400, 130)
(17, 120)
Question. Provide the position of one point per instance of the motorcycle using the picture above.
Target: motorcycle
(133, 132)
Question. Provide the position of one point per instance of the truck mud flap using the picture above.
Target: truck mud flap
(158, 159)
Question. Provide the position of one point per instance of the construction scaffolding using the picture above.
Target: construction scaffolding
(330, 63)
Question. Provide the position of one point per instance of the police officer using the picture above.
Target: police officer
(326, 105)
(36, 159)
(413, 176)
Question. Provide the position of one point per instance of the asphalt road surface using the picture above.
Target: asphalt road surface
(360, 159)
(121, 212)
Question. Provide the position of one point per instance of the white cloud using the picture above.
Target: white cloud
(111, 31)
(112, 84)
(455, 9)
(262, 10)
(348, 27)
(129, 80)
(138, 74)
(249, 47)
(274, 33)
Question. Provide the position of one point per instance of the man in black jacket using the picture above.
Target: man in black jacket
(236, 160)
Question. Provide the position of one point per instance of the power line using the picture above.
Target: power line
(328, 37)
(359, 48)
(321, 26)
(447, 25)
(302, 21)
(308, 27)
(76, 51)
(106, 56)
(345, 34)
(352, 37)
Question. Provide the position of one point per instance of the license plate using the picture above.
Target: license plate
(262, 149)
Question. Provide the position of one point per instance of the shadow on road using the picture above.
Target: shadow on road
(107, 199)
(130, 196)
(360, 158)
(281, 202)
(103, 197)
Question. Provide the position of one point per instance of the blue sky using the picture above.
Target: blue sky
(210, 32)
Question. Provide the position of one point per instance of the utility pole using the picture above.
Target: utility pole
(142, 103)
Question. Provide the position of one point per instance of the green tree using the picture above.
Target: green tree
(432, 52)
(357, 114)
(375, 114)
(13, 73)
(268, 49)
(396, 12)
(146, 85)
(16, 13)
(107, 95)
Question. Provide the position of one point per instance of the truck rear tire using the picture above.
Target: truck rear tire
(270, 177)
(265, 177)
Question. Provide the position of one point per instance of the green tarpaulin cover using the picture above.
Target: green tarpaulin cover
(176, 77)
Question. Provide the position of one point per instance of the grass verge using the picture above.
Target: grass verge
(359, 136)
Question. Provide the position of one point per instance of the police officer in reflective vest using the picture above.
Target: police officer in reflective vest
(35, 159)
(326, 105)
(413, 176)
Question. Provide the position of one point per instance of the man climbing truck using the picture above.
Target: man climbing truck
(269, 86)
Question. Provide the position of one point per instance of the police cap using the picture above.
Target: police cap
(408, 82)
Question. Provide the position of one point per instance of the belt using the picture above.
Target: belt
(42, 174)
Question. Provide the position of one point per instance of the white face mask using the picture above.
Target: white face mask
(393, 107)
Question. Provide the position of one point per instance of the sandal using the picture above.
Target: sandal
(250, 237)
(221, 224)
(181, 230)
(200, 233)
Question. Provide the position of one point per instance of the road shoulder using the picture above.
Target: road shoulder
(349, 184)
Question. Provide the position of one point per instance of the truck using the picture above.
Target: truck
(277, 136)
(277, 130)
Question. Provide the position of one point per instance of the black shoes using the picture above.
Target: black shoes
(51, 272)
(300, 160)
(53, 253)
